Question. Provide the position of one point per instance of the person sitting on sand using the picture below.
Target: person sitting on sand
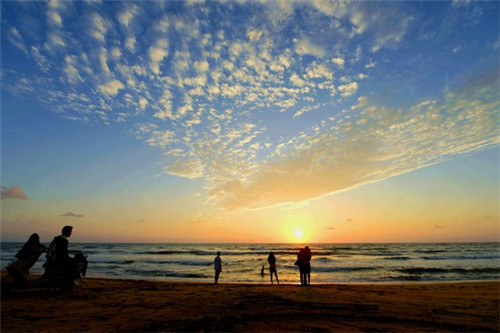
(29, 250)
(217, 267)
(58, 255)
(271, 259)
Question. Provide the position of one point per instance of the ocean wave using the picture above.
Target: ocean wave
(464, 257)
(323, 269)
(161, 273)
(324, 260)
(179, 262)
(395, 258)
(233, 253)
(433, 270)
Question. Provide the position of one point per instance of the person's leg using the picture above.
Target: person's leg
(217, 273)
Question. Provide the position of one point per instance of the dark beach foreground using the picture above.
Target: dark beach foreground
(103, 305)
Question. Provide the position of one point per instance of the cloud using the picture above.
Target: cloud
(16, 39)
(111, 88)
(157, 53)
(13, 192)
(187, 86)
(55, 18)
(71, 214)
(338, 61)
(348, 89)
(127, 15)
(99, 27)
(307, 47)
(188, 169)
(344, 155)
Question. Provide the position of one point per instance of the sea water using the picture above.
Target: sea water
(242, 263)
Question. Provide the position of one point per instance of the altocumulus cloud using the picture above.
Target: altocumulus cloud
(267, 102)
(384, 142)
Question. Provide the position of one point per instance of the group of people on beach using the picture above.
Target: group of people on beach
(303, 262)
(57, 255)
(58, 258)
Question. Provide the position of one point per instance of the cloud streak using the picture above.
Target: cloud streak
(71, 214)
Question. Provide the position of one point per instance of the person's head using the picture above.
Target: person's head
(66, 231)
(218, 253)
(34, 239)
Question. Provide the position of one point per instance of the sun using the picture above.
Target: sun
(298, 234)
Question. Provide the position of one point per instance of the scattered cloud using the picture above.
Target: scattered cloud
(111, 88)
(308, 47)
(392, 142)
(348, 89)
(13, 192)
(265, 114)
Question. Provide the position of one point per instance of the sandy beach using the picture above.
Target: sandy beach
(100, 305)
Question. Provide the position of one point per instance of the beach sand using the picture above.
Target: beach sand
(101, 305)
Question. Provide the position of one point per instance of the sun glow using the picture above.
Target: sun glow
(298, 234)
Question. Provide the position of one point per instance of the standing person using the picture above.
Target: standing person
(300, 262)
(217, 267)
(307, 265)
(272, 267)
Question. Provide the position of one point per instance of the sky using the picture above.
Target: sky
(250, 121)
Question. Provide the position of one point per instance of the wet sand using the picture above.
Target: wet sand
(108, 305)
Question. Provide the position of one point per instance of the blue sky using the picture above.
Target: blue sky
(175, 114)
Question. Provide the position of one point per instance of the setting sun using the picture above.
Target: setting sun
(298, 234)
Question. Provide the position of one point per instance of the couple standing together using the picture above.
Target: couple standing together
(304, 263)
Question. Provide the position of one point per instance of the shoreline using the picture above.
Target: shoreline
(396, 283)
(3, 272)
(110, 304)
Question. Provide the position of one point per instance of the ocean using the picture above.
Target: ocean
(242, 263)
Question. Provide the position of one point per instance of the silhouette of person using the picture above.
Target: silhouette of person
(306, 262)
(30, 252)
(31, 248)
(262, 271)
(217, 267)
(271, 259)
(58, 255)
(300, 262)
